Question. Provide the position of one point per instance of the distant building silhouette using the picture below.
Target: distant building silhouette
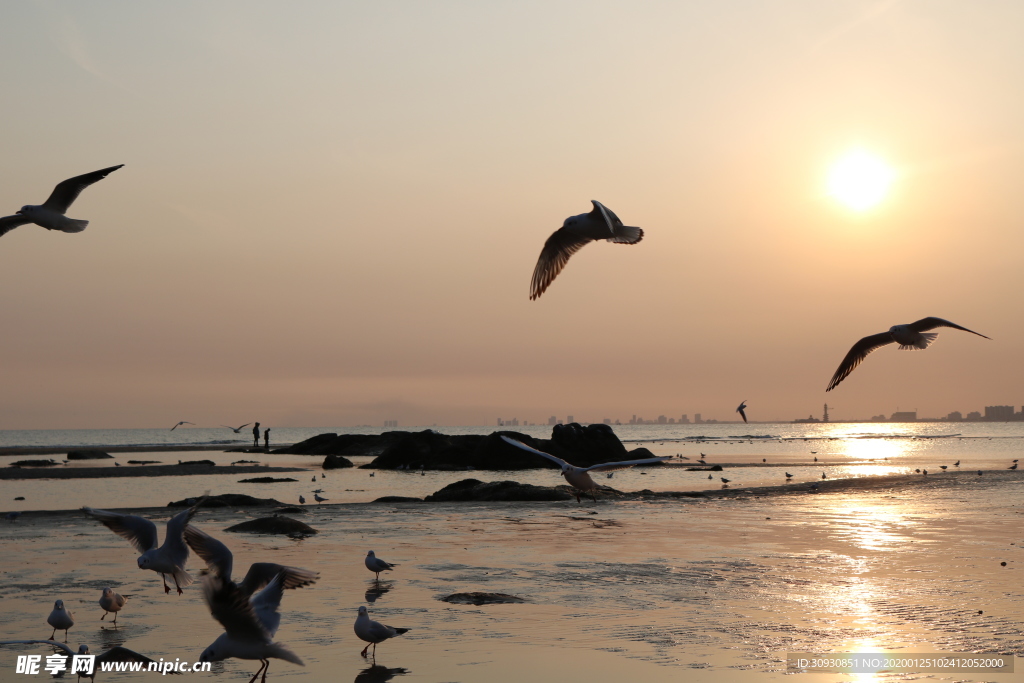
(696, 419)
(662, 420)
(569, 418)
(684, 420)
(998, 412)
(552, 420)
(904, 416)
(955, 416)
(607, 420)
(973, 415)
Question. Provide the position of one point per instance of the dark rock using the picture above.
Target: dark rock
(640, 454)
(144, 462)
(474, 489)
(344, 444)
(290, 510)
(195, 463)
(88, 454)
(398, 499)
(713, 468)
(274, 525)
(19, 498)
(336, 462)
(476, 598)
(225, 500)
(35, 463)
(265, 480)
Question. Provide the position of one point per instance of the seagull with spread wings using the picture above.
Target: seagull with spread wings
(741, 409)
(50, 214)
(170, 558)
(600, 224)
(912, 336)
(579, 477)
(237, 430)
(183, 422)
(220, 561)
(250, 623)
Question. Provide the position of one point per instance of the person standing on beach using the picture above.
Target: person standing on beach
(256, 436)
(266, 438)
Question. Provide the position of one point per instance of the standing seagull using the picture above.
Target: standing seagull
(600, 224)
(50, 214)
(376, 565)
(111, 602)
(743, 407)
(61, 619)
(912, 336)
(170, 558)
(249, 623)
(183, 422)
(373, 632)
(579, 477)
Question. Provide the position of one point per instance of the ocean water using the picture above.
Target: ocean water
(751, 455)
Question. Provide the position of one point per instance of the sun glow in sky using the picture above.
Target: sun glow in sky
(860, 180)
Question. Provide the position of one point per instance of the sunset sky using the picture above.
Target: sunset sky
(329, 212)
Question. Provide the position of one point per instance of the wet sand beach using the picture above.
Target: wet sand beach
(715, 588)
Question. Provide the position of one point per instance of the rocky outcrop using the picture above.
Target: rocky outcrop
(477, 598)
(285, 526)
(476, 490)
(88, 454)
(343, 444)
(225, 500)
(265, 480)
(35, 463)
(336, 462)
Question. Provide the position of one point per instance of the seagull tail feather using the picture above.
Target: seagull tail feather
(922, 343)
(73, 225)
(627, 234)
(281, 651)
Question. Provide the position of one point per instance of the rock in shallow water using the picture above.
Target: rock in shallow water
(274, 525)
(474, 489)
(477, 598)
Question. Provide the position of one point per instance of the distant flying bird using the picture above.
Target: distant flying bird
(600, 224)
(579, 477)
(373, 632)
(183, 422)
(50, 214)
(912, 336)
(743, 407)
(237, 430)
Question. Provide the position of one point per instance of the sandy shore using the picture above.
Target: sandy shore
(708, 589)
(16, 473)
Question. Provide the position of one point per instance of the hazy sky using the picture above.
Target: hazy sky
(330, 211)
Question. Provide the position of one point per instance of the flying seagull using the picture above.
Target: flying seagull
(373, 632)
(50, 214)
(219, 561)
(183, 422)
(170, 558)
(600, 224)
(249, 623)
(912, 336)
(579, 477)
(238, 430)
(741, 409)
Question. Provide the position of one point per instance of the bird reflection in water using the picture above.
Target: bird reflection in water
(378, 674)
(377, 589)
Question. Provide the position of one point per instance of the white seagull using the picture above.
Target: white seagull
(376, 565)
(61, 619)
(249, 623)
(111, 602)
(600, 224)
(220, 561)
(743, 407)
(170, 558)
(373, 632)
(183, 422)
(50, 214)
(237, 430)
(579, 477)
(912, 336)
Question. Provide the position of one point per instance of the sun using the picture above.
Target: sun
(860, 180)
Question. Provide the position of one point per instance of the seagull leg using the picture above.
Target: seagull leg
(166, 588)
(177, 586)
(115, 619)
(105, 616)
(363, 653)
(257, 674)
(65, 635)
(265, 670)
(593, 494)
(52, 635)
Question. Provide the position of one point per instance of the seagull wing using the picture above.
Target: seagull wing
(562, 244)
(520, 444)
(262, 573)
(122, 654)
(266, 603)
(232, 609)
(743, 404)
(858, 353)
(174, 541)
(54, 643)
(140, 532)
(8, 223)
(245, 425)
(67, 192)
(931, 323)
(624, 464)
(216, 555)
